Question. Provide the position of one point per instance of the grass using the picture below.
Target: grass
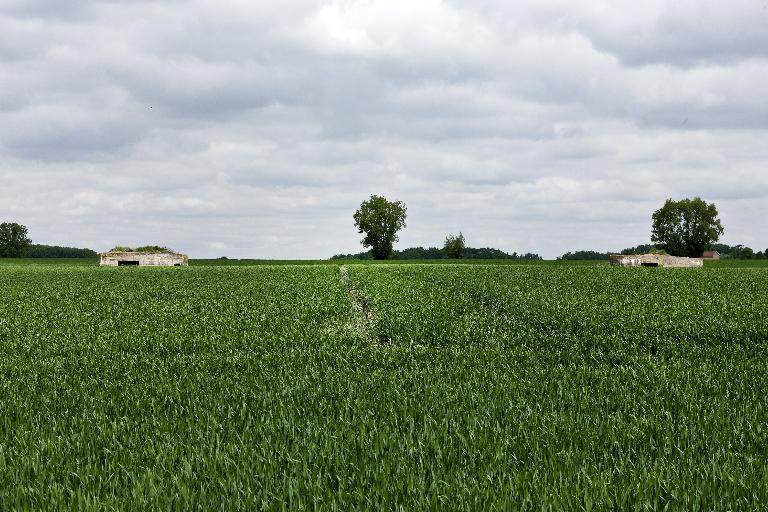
(737, 263)
(498, 387)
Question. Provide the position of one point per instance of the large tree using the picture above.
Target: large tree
(380, 220)
(454, 246)
(13, 240)
(686, 227)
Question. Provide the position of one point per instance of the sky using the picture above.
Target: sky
(254, 129)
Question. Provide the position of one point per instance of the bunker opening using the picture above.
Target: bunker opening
(123, 263)
(650, 264)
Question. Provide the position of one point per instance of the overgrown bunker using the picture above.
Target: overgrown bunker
(143, 259)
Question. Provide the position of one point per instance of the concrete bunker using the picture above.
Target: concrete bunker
(143, 257)
(655, 260)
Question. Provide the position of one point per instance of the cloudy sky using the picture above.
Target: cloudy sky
(254, 128)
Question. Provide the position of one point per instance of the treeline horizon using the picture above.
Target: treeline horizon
(56, 251)
(435, 253)
(726, 252)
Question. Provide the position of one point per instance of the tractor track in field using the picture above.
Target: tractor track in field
(364, 315)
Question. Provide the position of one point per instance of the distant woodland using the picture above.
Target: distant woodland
(726, 252)
(433, 253)
(54, 251)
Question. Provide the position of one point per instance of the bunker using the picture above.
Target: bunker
(655, 260)
(143, 259)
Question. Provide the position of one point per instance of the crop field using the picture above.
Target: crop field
(388, 387)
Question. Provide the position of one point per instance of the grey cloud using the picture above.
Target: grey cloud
(58, 132)
(689, 33)
(47, 9)
(686, 33)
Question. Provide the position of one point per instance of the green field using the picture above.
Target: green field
(389, 387)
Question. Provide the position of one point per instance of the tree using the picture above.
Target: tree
(454, 246)
(740, 252)
(686, 227)
(380, 220)
(13, 240)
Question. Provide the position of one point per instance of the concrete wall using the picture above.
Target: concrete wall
(661, 260)
(148, 259)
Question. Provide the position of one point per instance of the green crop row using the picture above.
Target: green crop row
(596, 311)
(480, 387)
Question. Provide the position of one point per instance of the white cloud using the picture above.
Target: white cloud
(256, 128)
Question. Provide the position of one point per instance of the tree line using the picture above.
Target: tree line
(380, 220)
(56, 251)
(15, 243)
(687, 227)
(434, 253)
(736, 252)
